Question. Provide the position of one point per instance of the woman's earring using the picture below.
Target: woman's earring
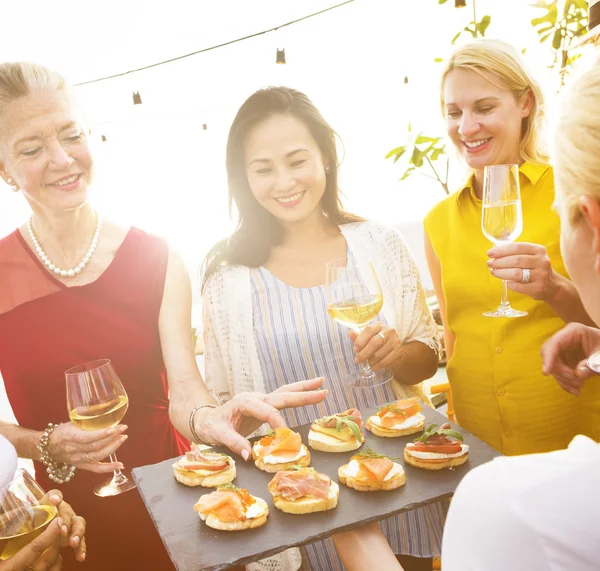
(10, 181)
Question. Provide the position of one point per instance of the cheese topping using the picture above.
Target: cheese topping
(353, 466)
(435, 455)
(411, 421)
(270, 459)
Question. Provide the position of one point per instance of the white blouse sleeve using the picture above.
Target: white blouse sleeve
(8, 461)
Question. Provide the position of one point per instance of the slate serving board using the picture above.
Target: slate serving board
(193, 546)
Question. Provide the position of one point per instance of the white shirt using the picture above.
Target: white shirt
(8, 461)
(536, 512)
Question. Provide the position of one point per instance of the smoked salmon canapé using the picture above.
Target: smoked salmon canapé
(204, 468)
(303, 491)
(439, 447)
(232, 509)
(340, 432)
(369, 471)
(280, 450)
(397, 419)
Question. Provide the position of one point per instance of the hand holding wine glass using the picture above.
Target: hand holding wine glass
(502, 219)
(354, 300)
(96, 400)
(23, 514)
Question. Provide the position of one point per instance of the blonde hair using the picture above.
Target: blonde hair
(577, 142)
(503, 60)
(19, 79)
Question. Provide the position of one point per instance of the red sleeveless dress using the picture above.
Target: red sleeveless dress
(46, 328)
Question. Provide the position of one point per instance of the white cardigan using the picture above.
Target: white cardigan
(231, 357)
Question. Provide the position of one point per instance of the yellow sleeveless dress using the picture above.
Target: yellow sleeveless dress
(499, 391)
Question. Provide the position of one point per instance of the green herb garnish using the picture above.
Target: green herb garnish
(342, 422)
(367, 452)
(435, 430)
(391, 408)
(229, 488)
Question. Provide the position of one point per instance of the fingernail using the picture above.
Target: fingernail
(123, 428)
(491, 253)
(83, 555)
(55, 498)
(123, 438)
(489, 263)
(65, 529)
(76, 540)
(245, 454)
(111, 431)
(492, 271)
(60, 521)
(121, 466)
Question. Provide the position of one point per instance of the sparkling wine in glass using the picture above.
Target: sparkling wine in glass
(502, 219)
(23, 515)
(354, 300)
(97, 400)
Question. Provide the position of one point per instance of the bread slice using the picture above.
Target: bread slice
(272, 468)
(392, 432)
(306, 505)
(435, 464)
(386, 486)
(216, 523)
(214, 480)
(332, 446)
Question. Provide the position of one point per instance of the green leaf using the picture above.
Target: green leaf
(369, 453)
(557, 39)
(437, 152)
(417, 157)
(408, 172)
(551, 16)
(456, 37)
(397, 153)
(424, 139)
(483, 25)
(442, 1)
(438, 60)
(452, 433)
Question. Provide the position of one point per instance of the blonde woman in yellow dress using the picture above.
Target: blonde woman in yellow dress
(494, 109)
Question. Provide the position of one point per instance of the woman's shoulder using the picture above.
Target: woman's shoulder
(370, 229)
(224, 277)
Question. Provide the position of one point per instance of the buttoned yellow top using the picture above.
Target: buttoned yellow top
(500, 394)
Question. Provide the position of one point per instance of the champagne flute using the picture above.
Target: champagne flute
(22, 515)
(96, 400)
(354, 300)
(502, 219)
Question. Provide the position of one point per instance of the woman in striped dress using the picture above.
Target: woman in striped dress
(265, 311)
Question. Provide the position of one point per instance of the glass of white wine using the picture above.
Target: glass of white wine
(23, 515)
(354, 300)
(96, 400)
(502, 219)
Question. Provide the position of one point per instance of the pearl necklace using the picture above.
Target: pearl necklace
(53, 267)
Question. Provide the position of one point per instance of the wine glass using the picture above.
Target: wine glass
(353, 300)
(23, 516)
(96, 400)
(502, 219)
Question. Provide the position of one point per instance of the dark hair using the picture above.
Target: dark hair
(258, 230)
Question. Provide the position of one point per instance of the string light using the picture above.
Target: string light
(137, 99)
(280, 57)
(216, 46)
(460, 3)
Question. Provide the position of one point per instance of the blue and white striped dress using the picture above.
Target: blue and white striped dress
(296, 340)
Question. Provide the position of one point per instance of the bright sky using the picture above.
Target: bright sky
(159, 170)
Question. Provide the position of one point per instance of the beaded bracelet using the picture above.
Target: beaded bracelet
(197, 439)
(57, 472)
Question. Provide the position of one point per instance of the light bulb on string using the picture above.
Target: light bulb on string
(280, 57)
(137, 98)
(460, 3)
